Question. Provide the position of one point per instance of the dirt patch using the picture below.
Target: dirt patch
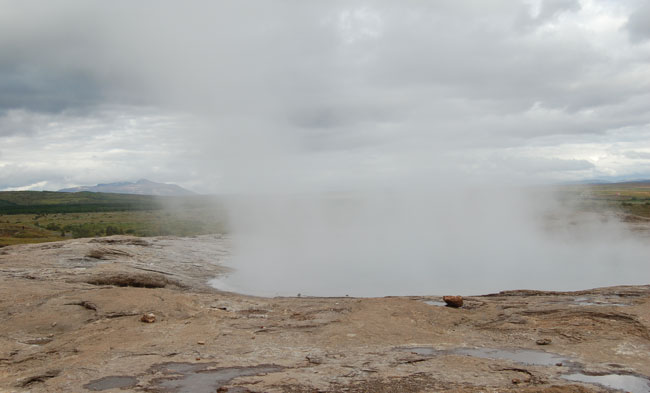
(51, 246)
(85, 304)
(588, 318)
(112, 382)
(38, 378)
(138, 280)
(129, 241)
(107, 253)
(425, 382)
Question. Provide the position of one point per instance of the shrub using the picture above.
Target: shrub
(111, 230)
(53, 227)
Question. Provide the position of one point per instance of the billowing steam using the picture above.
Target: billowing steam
(449, 240)
(366, 148)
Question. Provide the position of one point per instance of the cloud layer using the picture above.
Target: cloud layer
(333, 95)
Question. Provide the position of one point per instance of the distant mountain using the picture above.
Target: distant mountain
(141, 187)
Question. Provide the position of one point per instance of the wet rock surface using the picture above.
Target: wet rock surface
(63, 333)
(202, 378)
(112, 382)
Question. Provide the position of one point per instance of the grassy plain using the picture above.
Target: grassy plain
(632, 198)
(35, 217)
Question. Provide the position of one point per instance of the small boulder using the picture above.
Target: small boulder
(314, 359)
(543, 341)
(453, 301)
(148, 318)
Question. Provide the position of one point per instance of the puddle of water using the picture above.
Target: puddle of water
(601, 304)
(524, 356)
(585, 301)
(628, 383)
(195, 378)
(435, 303)
(114, 382)
(39, 341)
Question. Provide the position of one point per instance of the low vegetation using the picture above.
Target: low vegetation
(631, 201)
(35, 217)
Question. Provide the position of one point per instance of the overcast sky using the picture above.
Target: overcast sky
(320, 95)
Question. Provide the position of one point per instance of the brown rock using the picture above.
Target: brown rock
(543, 341)
(148, 318)
(453, 301)
(516, 381)
(314, 359)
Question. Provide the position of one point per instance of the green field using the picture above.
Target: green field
(34, 217)
(44, 202)
(631, 198)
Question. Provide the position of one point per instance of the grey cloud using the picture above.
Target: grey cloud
(537, 15)
(312, 89)
(17, 121)
(531, 165)
(337, 141)
(336, 114)
(636, 155)
(129, 56)
(638, 24)
(46, 90)
(17, 175)
(552, 8)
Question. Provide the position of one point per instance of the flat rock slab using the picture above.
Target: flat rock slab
(52, 315)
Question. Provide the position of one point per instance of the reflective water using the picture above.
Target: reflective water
(524, 356)
(628, 383)
(435, 303)
(198, 378)
(585, 301)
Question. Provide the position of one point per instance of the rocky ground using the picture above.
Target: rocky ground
(72, 321)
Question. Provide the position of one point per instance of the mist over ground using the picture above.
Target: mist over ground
(457, 239)
(376, 147)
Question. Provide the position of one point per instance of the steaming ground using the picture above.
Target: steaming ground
(458, 240)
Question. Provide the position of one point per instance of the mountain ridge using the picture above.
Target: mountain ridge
(140, 187)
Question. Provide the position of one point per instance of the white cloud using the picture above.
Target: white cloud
(320, 95)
